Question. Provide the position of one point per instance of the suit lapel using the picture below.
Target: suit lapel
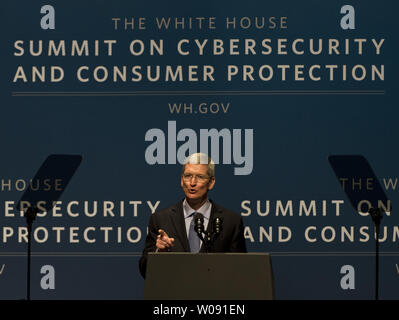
(177, 217)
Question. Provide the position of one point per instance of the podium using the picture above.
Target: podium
(208, 276)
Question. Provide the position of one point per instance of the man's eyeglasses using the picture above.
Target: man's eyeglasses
(198, 177)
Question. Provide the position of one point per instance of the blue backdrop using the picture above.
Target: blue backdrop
(296, 125)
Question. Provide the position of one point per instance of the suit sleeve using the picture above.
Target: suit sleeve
(150, 244)
(238, 241)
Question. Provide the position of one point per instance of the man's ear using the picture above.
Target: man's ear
(211, 183)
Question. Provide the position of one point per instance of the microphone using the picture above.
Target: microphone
(199, 224)
(217, 225)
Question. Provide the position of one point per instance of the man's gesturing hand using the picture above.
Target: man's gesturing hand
(163, 241)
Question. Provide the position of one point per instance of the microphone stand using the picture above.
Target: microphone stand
(376, 216)
(209, 237)
(206, 240)
(30, 216)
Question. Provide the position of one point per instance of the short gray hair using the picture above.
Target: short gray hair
(201, 158)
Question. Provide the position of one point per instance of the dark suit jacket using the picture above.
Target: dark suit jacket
(171, 219)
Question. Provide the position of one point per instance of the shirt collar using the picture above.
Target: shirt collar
(205, 210)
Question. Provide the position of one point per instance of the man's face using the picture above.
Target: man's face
(196, 182)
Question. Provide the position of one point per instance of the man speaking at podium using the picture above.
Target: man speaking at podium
(173, 229)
